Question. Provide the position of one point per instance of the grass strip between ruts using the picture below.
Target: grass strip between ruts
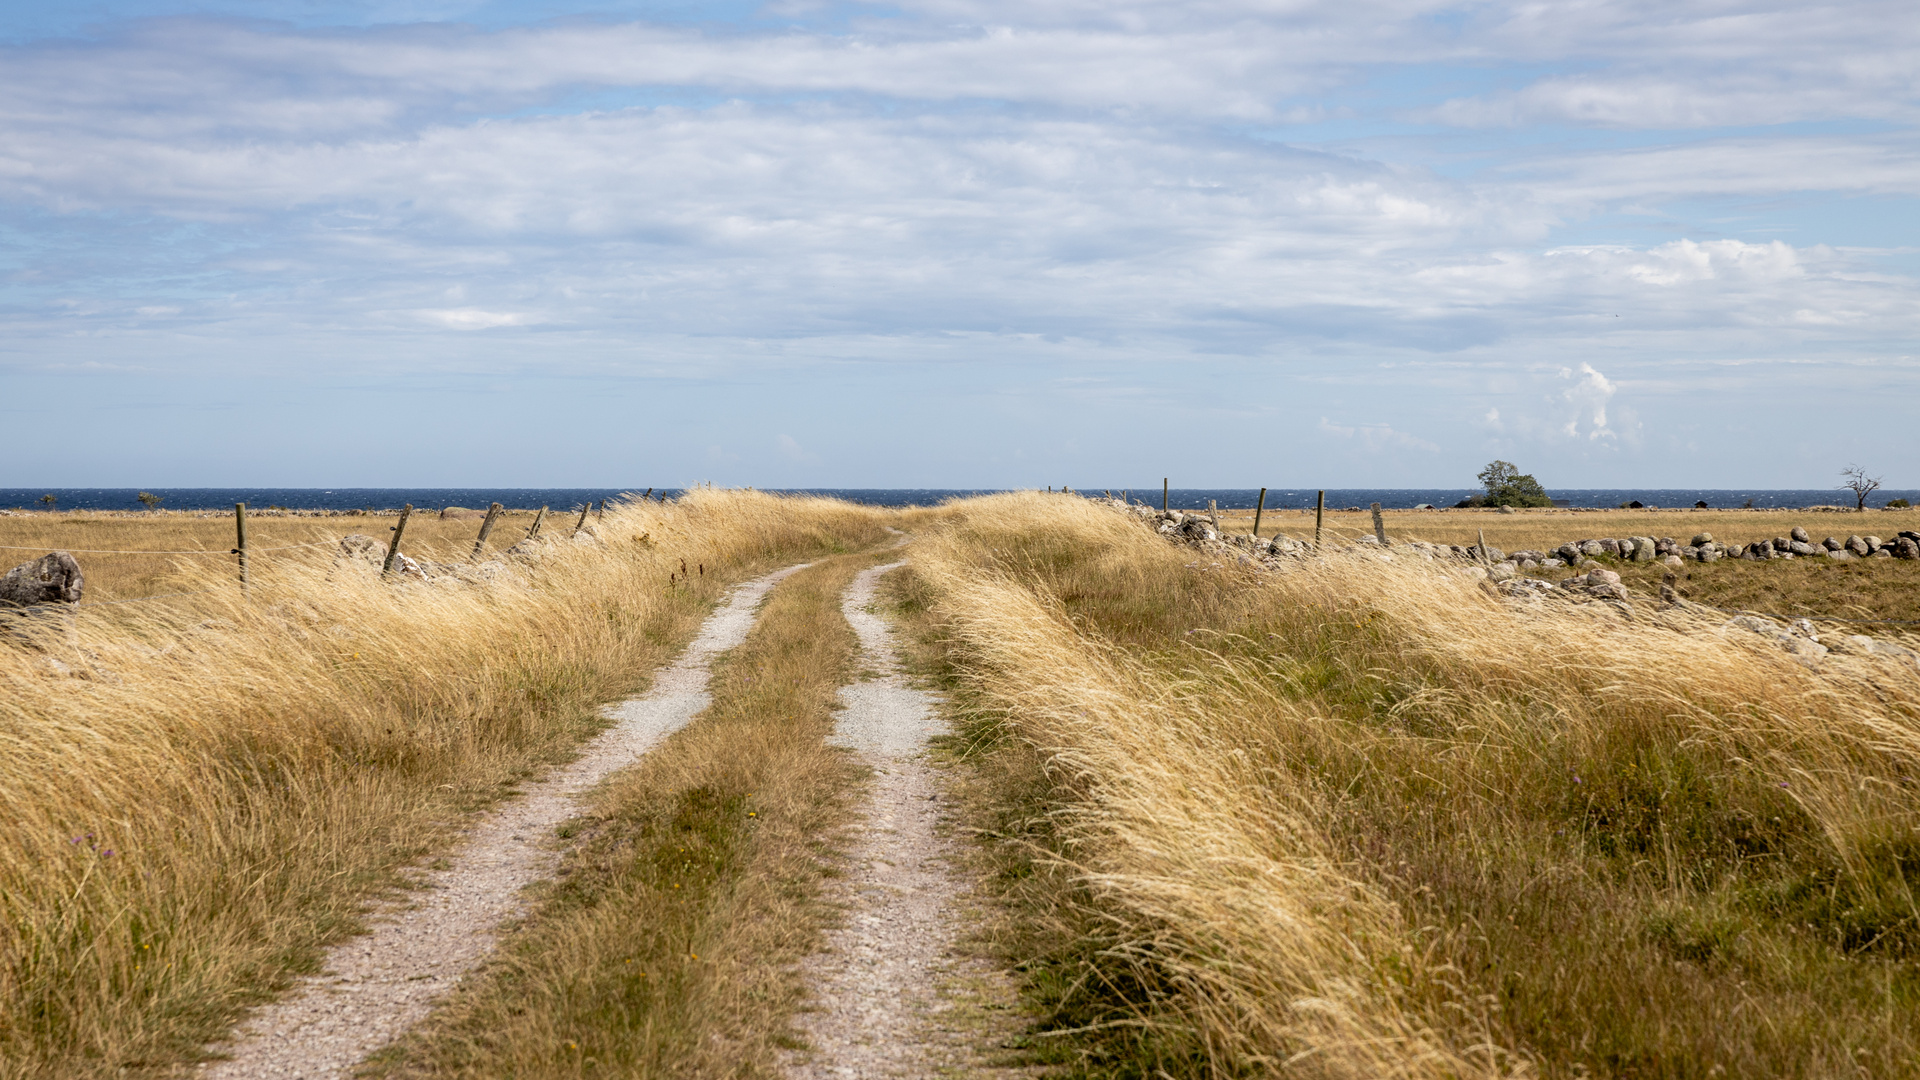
(667, 946)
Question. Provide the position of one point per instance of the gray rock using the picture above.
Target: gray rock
(1905, 548)
(1803, 549)
(1708, 554)
(1593, 548)
(1842, 555)
(1568, 553)
(53, 578)
(1858, 546)
(1874, 543)
(1529, 564)
(1831, 544)
(1643, 549)
(1503, 571)
(1674, 562)
(1609, 592)
(1800, 534)
(1599, 576)
(1506, 510)
(1701, 538)
(362, 548)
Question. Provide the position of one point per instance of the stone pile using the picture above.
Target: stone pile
(1503, 571)
(1203, 531)
(359, 549)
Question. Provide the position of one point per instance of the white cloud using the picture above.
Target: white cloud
(472, 318)
(1589, 396)
(1375, 438)
(791, 449)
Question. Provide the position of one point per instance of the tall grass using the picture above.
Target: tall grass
(1361, 818)
(221, 783)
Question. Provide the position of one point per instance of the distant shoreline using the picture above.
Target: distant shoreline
(349, 502)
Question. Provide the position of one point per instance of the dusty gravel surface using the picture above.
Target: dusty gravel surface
(892, 996)
(378, 985)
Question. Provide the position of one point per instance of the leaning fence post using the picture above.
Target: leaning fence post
(1379, 528)
(1213, 513)
(1485, 559)
(537, 519)
(1319, 517)
(601, 514)
(486, 527)
(1163, 494)
(393, 549)
(1258, 509)
(582, 523)
(240, 540)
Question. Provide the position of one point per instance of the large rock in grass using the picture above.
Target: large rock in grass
(53, 578)
(1801, 535)
(362, 547)
(1905, 548)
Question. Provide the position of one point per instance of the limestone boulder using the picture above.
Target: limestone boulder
(53, 578)
(362, 548)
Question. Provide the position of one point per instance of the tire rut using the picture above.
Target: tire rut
(376, 986)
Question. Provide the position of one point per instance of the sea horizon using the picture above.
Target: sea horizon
(1298, 498)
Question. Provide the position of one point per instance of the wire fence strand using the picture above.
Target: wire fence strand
(202, 551)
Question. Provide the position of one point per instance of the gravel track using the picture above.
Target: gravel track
(379, 984)
(891, 997)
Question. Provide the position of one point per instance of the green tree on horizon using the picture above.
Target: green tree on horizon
(1507, 486)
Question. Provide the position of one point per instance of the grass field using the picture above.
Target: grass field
(1360, 819)
(1348, 819)
(1877, 590)
(94, 537)
(209, 789)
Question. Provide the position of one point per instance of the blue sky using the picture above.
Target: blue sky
(958, 242)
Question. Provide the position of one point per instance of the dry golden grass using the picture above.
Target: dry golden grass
(224, 782)
(92, 536)
(1361, 819)
(1877, 590)
(1541, 529)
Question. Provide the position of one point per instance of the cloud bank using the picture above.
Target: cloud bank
(1406, 217)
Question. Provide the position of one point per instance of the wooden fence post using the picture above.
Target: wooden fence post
(582, 523)
(1258, 509)
(601, 514)
(486, 527)
(399, 530)
(1319, 517)
(1379, 529)
(1213, 514)
(1163, 494)
(1485, 559)
(537, 519)
(240, 540)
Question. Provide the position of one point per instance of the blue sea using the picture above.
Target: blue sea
(1178, 498)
